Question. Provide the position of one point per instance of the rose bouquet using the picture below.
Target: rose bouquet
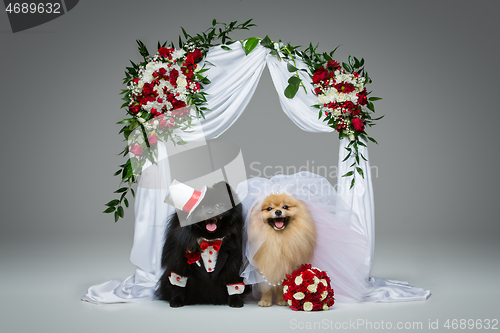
(161, 94)
(308, 289)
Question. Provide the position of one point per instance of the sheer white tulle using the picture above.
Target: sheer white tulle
(234, 77)
(342, 249)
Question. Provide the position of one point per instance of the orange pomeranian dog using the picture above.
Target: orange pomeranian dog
(290, 237)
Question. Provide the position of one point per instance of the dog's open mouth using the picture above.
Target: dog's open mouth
(278, 223)
(211, 225)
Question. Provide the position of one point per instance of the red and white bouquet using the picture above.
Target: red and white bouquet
(341, 96)
(162, 92)
(166, 83)
(308, 289)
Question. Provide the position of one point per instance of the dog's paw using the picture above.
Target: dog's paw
(176, 303)
(281, 302)
(265, 303)
(235, 302)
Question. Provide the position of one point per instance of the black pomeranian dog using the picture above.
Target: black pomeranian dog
(202, 260)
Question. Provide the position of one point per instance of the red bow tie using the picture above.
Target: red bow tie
(215, 244)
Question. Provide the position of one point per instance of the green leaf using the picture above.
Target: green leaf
(352, 183)
(206, 80)
(214, 22)
(113, 203)
(372, 140)
(370, 106)
(379, 118)
(350, 173)
(291, 68)
(374, 99)
(109, 210)
(126, 202)
(291, 91)
(360, 171)
(117, 173)
(121, 190)
(117, 216)
(224, 47)
(120, 211)
(250, 44)
(266, 42)
(133, 193)
(347, 67)
(320, 114)
(347, 157)
(294, 81)
(361, 143)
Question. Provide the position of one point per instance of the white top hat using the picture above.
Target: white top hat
(183, 197)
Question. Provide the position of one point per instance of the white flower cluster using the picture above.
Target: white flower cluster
(331, 95)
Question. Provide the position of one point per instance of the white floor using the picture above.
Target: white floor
(42, 282)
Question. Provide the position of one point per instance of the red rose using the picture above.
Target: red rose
(176, 104)
(174, 74)
(148, 89)
(358, 124)
(320, 75)
(193, 257)
(135, 108)
(344, 87)
(136, 150)
(196, 54)
(135, 81)
(333, 64)
(355, 112)
(164, 51)
(166, 124)
(152, 138)
(189, 60)
(362, 98)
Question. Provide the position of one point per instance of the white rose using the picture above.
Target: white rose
(312, 288)
(324, 294)
(181, 82)
(322, 99)
(178, 54)
(298, 280)
(316, 280)
(324, 282)
(352, 137)
(325, 307)
(298, 296)
(285, 289)
(289, 302)
(308, 306)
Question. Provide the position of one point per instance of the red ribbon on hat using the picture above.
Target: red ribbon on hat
(215, 244)
(192, 201)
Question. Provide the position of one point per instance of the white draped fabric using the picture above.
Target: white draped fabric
(234, 77)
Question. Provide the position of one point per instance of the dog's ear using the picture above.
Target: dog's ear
(223, 186)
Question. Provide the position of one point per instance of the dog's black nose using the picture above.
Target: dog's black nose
(278, 213)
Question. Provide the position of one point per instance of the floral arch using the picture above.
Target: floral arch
(195, 93)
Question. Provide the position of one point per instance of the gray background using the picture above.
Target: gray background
(435, 63)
